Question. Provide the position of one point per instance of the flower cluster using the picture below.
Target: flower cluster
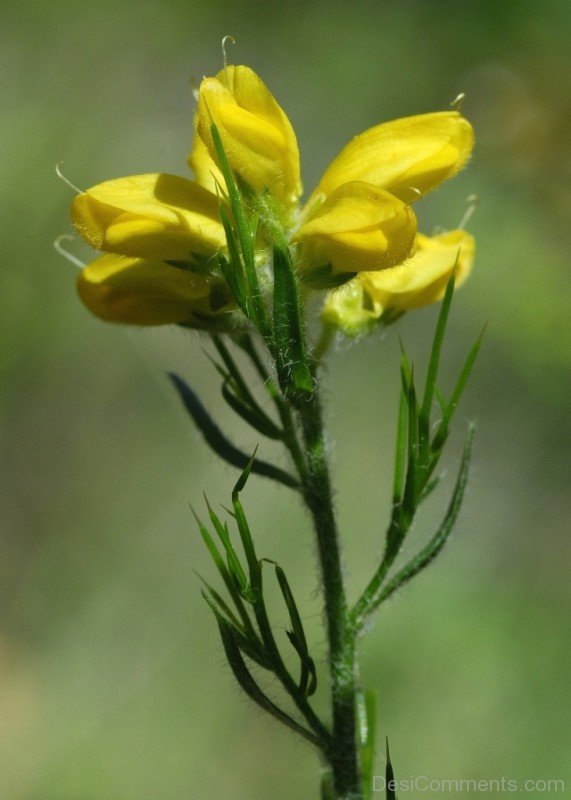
(163, 237)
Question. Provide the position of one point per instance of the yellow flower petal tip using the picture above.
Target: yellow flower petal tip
(422, 280)
(358, 227)
(408, 157)
(258, 139)
(139, 292)
(150, 216)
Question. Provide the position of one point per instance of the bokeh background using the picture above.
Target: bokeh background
(112, 681)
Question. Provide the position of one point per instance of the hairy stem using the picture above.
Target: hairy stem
(344, 755)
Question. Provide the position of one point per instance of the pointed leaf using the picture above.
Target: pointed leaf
(249, 685)
(458, 391)
(435, 545)
(251, 647)
(308, 676)
(432, 374)
(291, 357)
(218, 441)
(390, 777)
(260, 422)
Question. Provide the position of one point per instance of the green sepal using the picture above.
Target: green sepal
(324, 277)
(292, 366)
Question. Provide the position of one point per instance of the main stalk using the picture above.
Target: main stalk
(344, 755)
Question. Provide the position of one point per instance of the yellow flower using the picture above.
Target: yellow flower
(258, 138)
(140, 292)
(422, 280)
(358, 220)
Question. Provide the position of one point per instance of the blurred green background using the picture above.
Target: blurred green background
(112, 680)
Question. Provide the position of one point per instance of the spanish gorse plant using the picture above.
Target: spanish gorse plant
(234, 254)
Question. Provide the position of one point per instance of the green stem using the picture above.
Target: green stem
(344, 754)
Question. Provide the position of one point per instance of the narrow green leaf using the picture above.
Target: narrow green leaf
(251, 646)
(222, 605)
(308, 675)
(234, 566)
(260, 422)
(233, 247)
(242, 387)
(232, 278)
(243, 479)
(289, 343)
(229, 582)
(411, 481)
(291, 605)
(432, 374)
(437, 542)
(405, 369)
(390, 777)
(249, 685)
(218, 441)
(400, 448)
(245, 404)
(245, 229)
(442, 431)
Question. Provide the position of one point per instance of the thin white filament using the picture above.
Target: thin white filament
(67, 182)
(63, 252)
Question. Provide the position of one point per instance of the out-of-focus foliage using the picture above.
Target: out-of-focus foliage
(103, 634)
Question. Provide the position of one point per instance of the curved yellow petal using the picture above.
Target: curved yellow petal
(156, 216)
(203, 165)
(258, 138)
(139, 292)
(359, 227)
(408, 157)
(422, 280)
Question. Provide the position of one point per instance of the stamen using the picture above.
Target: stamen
(62, 177)
(232, 40)
(473, 201)
(456, 104)
(415, 190)
(63, 252)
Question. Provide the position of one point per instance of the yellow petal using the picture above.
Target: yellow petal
(406, 156)
(203, 165)
(258, 139)
(422, 280)
(154, 216)
(139, 292)
(359, 227)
